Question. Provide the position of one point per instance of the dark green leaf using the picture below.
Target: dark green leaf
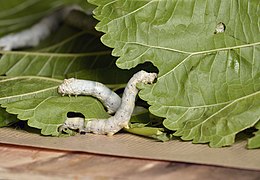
(36, 99)
(254, 142)
(27, 87)
(6, 119)
(49, 113)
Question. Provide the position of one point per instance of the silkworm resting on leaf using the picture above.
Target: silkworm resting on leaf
(85, 87)
(123, 114)
(32, 36)
(74, 123)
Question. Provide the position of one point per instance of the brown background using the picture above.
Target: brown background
(127, 145)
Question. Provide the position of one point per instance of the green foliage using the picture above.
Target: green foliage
(36, 99)
(49, 113)
(6, 119)
(142, 124)
(208, 87)
(254, 142)
(64, 52)
(26, 90)
(27, 87)
(16, 15)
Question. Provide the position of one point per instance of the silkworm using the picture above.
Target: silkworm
(74, 123)
(122, 116)
(32, 36)
(76, 87)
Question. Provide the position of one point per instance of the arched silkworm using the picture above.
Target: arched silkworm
(85, 87)
(32, 36)
(122, 116)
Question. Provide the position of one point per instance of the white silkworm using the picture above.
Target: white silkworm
(85, 87)
(122, 116)
(32, 36)
(74, 123)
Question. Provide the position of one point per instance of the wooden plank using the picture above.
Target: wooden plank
(14, 155)
(34, 163)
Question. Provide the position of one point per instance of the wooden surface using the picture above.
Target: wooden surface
(18, 162)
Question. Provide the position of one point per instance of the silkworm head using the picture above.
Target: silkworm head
(61, 90)
(149, 78)
(152, 77)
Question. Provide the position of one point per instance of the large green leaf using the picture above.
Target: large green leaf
(208, 87)
(67, 50)
(36, 99)
(49, 113)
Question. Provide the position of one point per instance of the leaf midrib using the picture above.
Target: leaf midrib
(31, 77)
(210, 51)
(28, 53)
(30, 93)
(27, 94)
(222, 109)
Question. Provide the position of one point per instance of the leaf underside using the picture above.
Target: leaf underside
(66, 53)
(208, 87)
(6, 119)
(254, 142)
(49, 113)
(16, 15)
(36, 99)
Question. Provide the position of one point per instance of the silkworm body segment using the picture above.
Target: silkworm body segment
(75, 123)
(76, 87)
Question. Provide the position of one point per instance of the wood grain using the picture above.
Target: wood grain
(19, 162)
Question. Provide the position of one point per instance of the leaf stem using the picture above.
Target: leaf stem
(145, 131)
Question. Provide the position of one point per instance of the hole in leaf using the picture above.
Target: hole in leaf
(75, 114)
(220, 28)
